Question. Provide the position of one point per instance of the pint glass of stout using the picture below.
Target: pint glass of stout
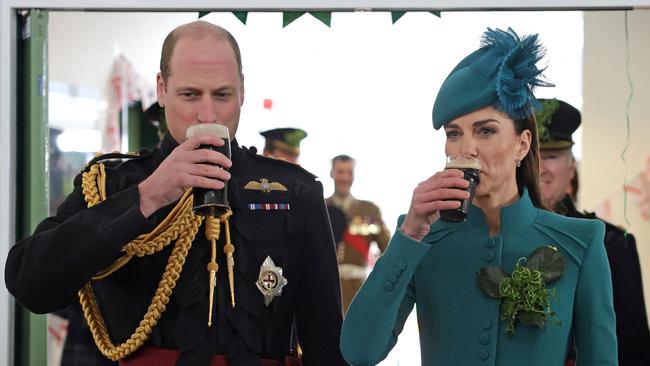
(209, 201)
(471, 168)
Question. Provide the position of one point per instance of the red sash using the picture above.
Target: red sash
(167, 357)
(358, 243)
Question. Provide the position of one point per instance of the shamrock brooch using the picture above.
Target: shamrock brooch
(524, 296)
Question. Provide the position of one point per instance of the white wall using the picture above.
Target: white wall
(606, 92)
(357, 87)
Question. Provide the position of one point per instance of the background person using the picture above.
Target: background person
(364, 226)
(283, 143)
(556, 121)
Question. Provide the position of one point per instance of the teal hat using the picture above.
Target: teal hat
(286, 139)
(502, 73)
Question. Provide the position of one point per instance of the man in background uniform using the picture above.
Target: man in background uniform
(283, 269)
(365, 226)
(283, 143)
(556, 122)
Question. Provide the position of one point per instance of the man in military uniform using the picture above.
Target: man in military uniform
(556, 122)
(365, 226)
(241, 311)
(283, 143)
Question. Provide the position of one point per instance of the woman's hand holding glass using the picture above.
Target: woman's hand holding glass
(442, 191)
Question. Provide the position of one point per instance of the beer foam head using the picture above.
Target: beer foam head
(208, 129)
(462, 162)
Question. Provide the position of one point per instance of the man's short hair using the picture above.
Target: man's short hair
(196, 28)
(341, 158)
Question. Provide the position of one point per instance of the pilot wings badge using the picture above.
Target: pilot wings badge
(270, 280)
(265, 186)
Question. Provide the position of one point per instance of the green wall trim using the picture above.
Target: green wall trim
(32, 170)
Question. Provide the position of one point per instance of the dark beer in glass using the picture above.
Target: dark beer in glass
(471, 168)
(211, 201)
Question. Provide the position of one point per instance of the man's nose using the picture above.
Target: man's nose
(206, 111)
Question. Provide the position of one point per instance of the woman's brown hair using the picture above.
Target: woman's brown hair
(528, 172)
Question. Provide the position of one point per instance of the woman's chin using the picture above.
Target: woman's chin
(482, 190)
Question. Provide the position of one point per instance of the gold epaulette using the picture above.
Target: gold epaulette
(111, 156)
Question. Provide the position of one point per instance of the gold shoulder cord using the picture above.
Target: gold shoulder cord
(181, 225)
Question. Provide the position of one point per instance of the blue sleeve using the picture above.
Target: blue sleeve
(595, 320)
(378, 312)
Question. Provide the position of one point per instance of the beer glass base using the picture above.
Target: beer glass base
(453, 215)
(210, 210)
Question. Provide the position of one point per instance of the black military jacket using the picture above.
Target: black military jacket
(631, 321)
(45, 271)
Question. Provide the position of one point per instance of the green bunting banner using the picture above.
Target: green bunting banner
(324, 16)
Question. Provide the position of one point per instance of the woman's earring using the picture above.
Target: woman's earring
(518, 163)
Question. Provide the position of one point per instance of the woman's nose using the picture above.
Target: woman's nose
(468, 146)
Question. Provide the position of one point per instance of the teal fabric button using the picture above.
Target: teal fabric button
(484, 338)
(388, 286)
(486, 324)
(392, 279)
(397, 272)
(483, 354)
(489, 256)
(401, 265)
(490, 243)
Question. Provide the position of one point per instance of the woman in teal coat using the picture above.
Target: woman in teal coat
(511, 284)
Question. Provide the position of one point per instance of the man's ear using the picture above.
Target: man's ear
(573, 166)
(161, 89)
(242, 92)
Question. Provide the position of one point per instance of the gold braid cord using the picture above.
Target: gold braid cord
(212, 232)
(180, 225)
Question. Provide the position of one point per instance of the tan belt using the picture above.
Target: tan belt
(352, 272)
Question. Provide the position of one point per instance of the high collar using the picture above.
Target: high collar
(343, 203)
(168, 144)
(514, 217)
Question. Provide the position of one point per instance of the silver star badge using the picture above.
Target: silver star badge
(270, 281)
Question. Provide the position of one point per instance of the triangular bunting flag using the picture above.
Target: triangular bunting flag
(203, 13)
(241, 15)
(395, 15)
(289, 16)
(323, 16)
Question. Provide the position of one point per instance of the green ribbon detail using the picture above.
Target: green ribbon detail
(524, 296)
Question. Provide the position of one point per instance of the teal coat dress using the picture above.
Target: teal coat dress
(458, 324)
